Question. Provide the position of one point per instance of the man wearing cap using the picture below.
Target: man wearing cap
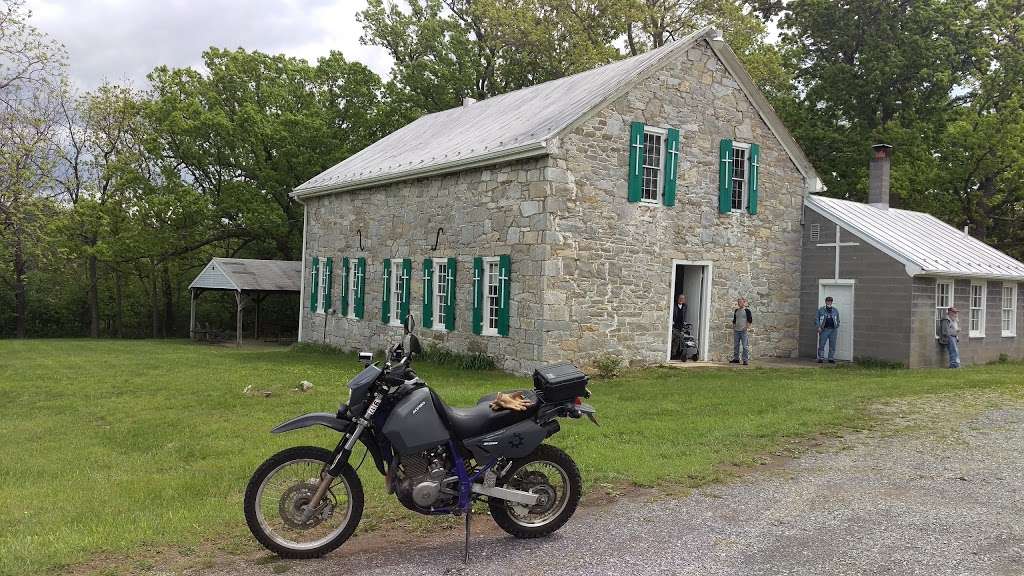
(827, 322)
(949, 330)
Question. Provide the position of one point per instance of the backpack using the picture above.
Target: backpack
(944, 332)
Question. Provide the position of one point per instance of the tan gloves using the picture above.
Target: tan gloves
(510, 401)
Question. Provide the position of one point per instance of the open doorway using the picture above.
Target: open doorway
(693, 280)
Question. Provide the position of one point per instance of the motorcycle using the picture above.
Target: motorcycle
(305, 501)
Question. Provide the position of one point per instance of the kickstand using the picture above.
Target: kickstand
(469, 514)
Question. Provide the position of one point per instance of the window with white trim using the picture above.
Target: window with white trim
(653, 163)
(440, 292)
(323, 287)
(977, 312)
(492, 296)
(397, 290)
(740, 156)
(1009, 310)
(353, 286)
(943, 298)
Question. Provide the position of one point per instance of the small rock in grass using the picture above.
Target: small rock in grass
(305, 386)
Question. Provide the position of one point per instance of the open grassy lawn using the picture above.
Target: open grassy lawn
(111, 447)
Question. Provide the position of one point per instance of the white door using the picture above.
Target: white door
(842, 298)
(693, 287)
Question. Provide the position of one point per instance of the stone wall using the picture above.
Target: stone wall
(484, 212)
(925, 350)
(609, 276)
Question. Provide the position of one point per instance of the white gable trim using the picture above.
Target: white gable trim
(219, 270)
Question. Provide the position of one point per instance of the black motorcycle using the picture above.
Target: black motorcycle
(305, 501)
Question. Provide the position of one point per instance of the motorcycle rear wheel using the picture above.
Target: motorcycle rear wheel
(549, 472)
(280, 489)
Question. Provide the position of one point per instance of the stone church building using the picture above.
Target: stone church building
(558, 222)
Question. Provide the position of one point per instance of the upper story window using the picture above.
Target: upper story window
(977, 313)
(1009, 310)
(653, 163)
(740, 154)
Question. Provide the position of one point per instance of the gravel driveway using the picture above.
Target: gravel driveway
(937, 490)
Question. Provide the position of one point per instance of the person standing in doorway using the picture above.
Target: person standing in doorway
(742, 322)
(827, 322)
(949, 336)
(678, 325)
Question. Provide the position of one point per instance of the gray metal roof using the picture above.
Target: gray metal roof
(926, 245)
(250, 275)
(515, 125)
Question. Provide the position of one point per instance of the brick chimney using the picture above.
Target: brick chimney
(878, 176)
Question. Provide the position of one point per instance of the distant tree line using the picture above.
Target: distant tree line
(111, 200)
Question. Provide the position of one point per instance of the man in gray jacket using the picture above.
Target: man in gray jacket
(949, 336)
(827, 323)
(742, 322)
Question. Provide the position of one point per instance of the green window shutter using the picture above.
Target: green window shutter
(360, 295)
(725, 176)
(478, 295)
(344, 285)
(755, 167)
(671, 167)
(428, 293)
(403, 312)
(329, 281)
(385, 301)
(504, 292)
(636, 160)
(314, 285)
(449, 316)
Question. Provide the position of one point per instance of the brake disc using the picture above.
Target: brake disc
(292, 504)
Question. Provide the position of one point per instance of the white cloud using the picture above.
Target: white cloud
(121, 40)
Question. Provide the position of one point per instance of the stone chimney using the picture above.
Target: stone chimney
(878, 176)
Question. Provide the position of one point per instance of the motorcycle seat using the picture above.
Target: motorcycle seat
(480, 419)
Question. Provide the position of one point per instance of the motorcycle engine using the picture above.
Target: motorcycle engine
(422, 477)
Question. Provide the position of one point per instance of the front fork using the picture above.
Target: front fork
(341, 454)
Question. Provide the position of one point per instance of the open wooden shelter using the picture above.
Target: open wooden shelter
(251, 281)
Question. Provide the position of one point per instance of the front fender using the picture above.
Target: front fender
(315, 419)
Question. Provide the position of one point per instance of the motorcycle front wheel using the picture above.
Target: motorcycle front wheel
(278, 497)
(551, 474)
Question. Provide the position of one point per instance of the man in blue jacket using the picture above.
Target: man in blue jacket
(827, 322)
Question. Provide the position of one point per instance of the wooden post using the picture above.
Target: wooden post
(192, 314)
(238, 319)
(256, 331)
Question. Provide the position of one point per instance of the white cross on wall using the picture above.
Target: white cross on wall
(387, 275)
(727, 162)
(502, 280)
(426, 283)
(754, 173)
(673, 159)
(838, 245)
(639, 152)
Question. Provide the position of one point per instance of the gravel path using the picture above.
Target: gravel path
(939, 490)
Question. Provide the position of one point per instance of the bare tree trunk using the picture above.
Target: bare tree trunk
(118, 303)
(94, 297)
(20, 301)
(168, 303)
(155, 303)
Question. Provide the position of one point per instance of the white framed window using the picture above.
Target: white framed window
(740, 163)
(1009, 310)
(398, 281)
(323, 287)
(353, 286)
(440, 293)
(492, 296)
(943, 298)
(977, 312)
(653, 164)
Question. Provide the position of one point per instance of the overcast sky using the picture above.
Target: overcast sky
(119, 40)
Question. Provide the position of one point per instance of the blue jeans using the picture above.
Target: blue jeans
(954, 352)
(827, 336)
(740, 338)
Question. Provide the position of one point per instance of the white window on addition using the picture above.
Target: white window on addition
(977, 317)
(1009, 310)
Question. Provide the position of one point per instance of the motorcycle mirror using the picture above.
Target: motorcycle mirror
(366, 358)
